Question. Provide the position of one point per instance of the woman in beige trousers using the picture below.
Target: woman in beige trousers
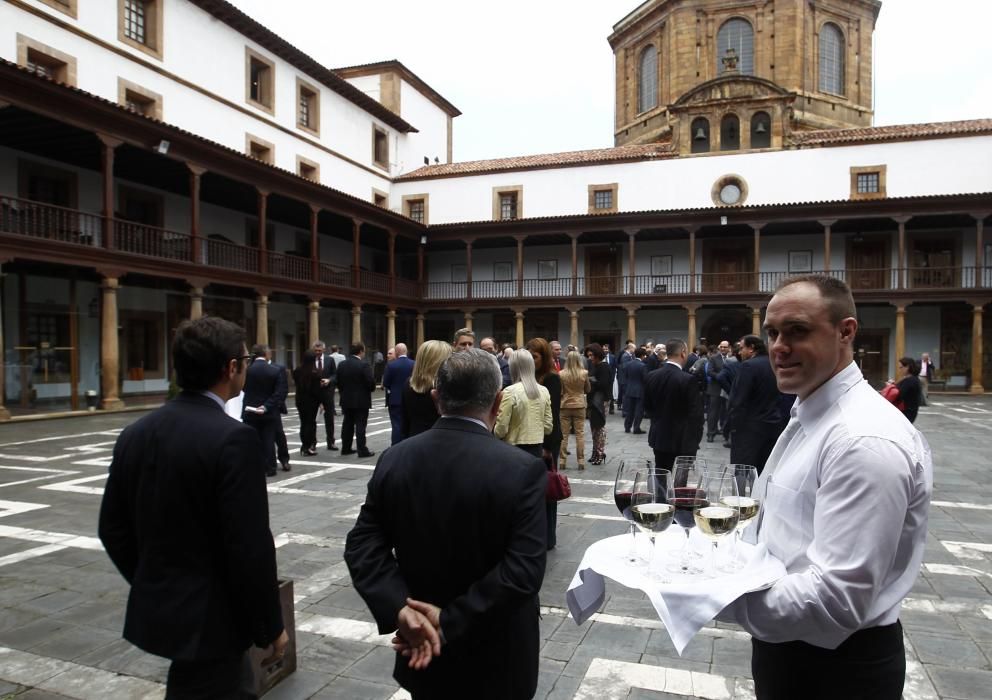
(574, 386)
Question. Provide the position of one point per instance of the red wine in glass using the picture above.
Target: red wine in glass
(622, 500)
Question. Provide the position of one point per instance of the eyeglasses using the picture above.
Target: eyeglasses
(243, 358)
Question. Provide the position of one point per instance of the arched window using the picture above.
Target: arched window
(647, 82)
(700, 136)
(831, 59)
(736, 34)
(761, 130)
(730, 133)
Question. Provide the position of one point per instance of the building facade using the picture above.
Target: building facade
(138, 189)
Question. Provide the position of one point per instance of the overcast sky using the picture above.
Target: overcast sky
(536, 76)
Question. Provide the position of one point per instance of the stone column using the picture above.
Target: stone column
(977, 384)
(314, 244)
(313, 314)
(195, 303)
(756, 284)
(691, 311)
(4, 413)
(575, 264)
(468, 269)
(108, 144)
(520, 265)
(900, 331)
(263, 240)
(756, 320)
(631, 260)
(468, 318)
(262, 319)
(827, 226)
(420, 330)
(519, 315)
(573, 333)
(692, 260)
(391, 328)
(196, 242)
(632, 322)
(109, 350)
(980, 248)
(356, 323)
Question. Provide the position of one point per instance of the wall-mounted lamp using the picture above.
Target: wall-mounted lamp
(162, 147)
(423, 240)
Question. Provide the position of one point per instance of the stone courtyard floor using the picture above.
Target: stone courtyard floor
(62, 601)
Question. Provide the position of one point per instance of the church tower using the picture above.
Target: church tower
(726, 75)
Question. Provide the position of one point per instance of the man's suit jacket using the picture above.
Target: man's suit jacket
(329, 370)
(185, 518)
(465, 514)
(673, 402)
(622, 359)
(355, 383)
(265, 385)
(652, 362)
(396, 376)
(634, 373)
(754, 398)
(282, 407)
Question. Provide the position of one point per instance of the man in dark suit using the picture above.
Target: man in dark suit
(673, 402)
(634, 372)
(355, 384)
(755, 406)
(327, 368)
(465, 515)
(265, 393)
(282, 447)
(185, 519)
(396, 376)
(715, 405)
(611, 360)
(489, 345)
(622, 359)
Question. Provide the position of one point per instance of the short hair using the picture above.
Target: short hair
(463, 331)
(467, 381)
(542, 348)
(356, 348)
(430, 355)
(676, 346)
(596, 349)
(640, 352)
(911, 365)
(201, 350)
(755, 343)
(836, 294)
(334, 348)
(319, 343)
(258, 350)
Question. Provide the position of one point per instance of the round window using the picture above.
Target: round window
(730, 194)
(729, 191)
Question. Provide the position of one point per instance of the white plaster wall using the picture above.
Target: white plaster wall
(431, 139)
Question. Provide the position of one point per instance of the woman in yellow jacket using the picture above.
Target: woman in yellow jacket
(574, 387)
(525, 410)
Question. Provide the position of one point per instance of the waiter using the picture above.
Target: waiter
(845, 497)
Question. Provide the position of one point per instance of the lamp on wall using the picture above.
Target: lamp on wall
(162, 147)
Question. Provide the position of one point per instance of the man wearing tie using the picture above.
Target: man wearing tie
(356, 384)
(265, 392)
(396, 376)
(672, 402)
(556, 355)
(327, 369)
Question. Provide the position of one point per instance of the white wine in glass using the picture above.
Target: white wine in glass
(749, 506)
(716, 518)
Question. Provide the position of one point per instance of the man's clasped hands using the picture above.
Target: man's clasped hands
(418, 633)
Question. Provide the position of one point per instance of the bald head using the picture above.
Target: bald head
(399, 350)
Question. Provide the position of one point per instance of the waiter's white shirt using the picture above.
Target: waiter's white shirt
(845, 508)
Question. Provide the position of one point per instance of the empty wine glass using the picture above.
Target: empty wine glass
(651, 511)
(749, 505)
(717, 516)
(623, 489)
(686, 494)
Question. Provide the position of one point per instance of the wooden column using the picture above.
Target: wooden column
(519, 315)
(313, 316)
(107, 146)
(691, 311)
(4, 413)
(980, 248)
(195, 303)
(901, 279)
(392, 265)
(692, 260)
(109, 349)
(575, 264)
(196, 240)
(756, 285)
(900, 331)
(314, 244)
(520, 265)
(262, 319)
(632, 322)
(468, 269)
(977, 383)
(467, 318)
(263, 240)
(356, 253)
(391, 329)
(420, 330)
(573, 326)
(756, 320)
(356, 323)
(827, 225)
(631, 260)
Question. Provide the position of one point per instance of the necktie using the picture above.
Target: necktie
(320, 362)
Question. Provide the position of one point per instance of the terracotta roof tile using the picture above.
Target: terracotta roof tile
(900, 132)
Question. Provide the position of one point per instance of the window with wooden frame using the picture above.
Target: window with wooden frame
(260, 77)
(260, 149)
(380, 198)
(415, 207)
(307, 107)
(139, 99)
(66, 6)
(380, 147)
(139, 24)
(308, 169)
(45, 61)
(868, 182)
(508, 203)
(603, 198)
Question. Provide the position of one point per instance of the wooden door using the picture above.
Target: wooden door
(728, 267)
(603, 270)
(867, 264)
(871, 352)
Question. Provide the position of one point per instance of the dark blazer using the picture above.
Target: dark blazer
(652, 362)
(552, 441)
(396, 376)
(185, 518)
(465, 515)
(265, 385)
(623, 358)
(754, 398)
(634, 374)
(329, 370)
(282, 368)
(673, 402)
(307, 386)
(419, 412)
(355, 383)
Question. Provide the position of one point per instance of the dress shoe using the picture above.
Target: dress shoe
(332, 446)
(285, 466)
(626, 430)
(270, 473)
(709, 438)
(727, 444)
(366, 453)
(347, 452)
(638, 432)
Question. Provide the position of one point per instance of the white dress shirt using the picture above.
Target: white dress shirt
(845, 496)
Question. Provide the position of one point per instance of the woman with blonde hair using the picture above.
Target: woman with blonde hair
(525, 410)
(574, 387)
(419, 411)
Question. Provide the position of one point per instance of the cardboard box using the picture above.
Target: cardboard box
(268, 677)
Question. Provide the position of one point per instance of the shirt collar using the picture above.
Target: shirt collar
(468, 418)
(674, 364)
(211, 395)
(821, 400)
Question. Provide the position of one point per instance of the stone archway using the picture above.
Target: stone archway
(726, 324)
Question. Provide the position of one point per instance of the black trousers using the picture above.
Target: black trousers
(211, 679)
(633, 413)
(327, 401)
(353, 425)
(266, 428)
(282, 447)
(713, 416)
(869, 665)
(308, 423)
(664, 460)
(752, 443)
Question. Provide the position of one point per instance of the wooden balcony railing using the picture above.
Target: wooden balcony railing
(27, 218)
(337, 276)
(294, 267)
(150, 241)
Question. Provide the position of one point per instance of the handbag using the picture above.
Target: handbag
(890, 392)
(558, 488)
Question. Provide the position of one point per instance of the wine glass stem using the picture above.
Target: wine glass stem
(686, 563)
(713, 559)
(633, 542)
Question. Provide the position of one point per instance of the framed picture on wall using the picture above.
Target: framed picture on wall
(800, 261)
(988, 254)
(547, 269)
(661, 265)
(502, 271)
(458, 273)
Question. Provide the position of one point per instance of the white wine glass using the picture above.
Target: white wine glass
(651, 511)
(749, 505)
(717, 515)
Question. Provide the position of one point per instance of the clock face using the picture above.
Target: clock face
(730, 194)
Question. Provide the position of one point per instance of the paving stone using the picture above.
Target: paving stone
(557, 651)
(331, 653)
(71, 642)
(376, 666)
(961, 684)
(301, 684)
(25, 637)
(617, 638)
(352, 689)
(933, 648)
